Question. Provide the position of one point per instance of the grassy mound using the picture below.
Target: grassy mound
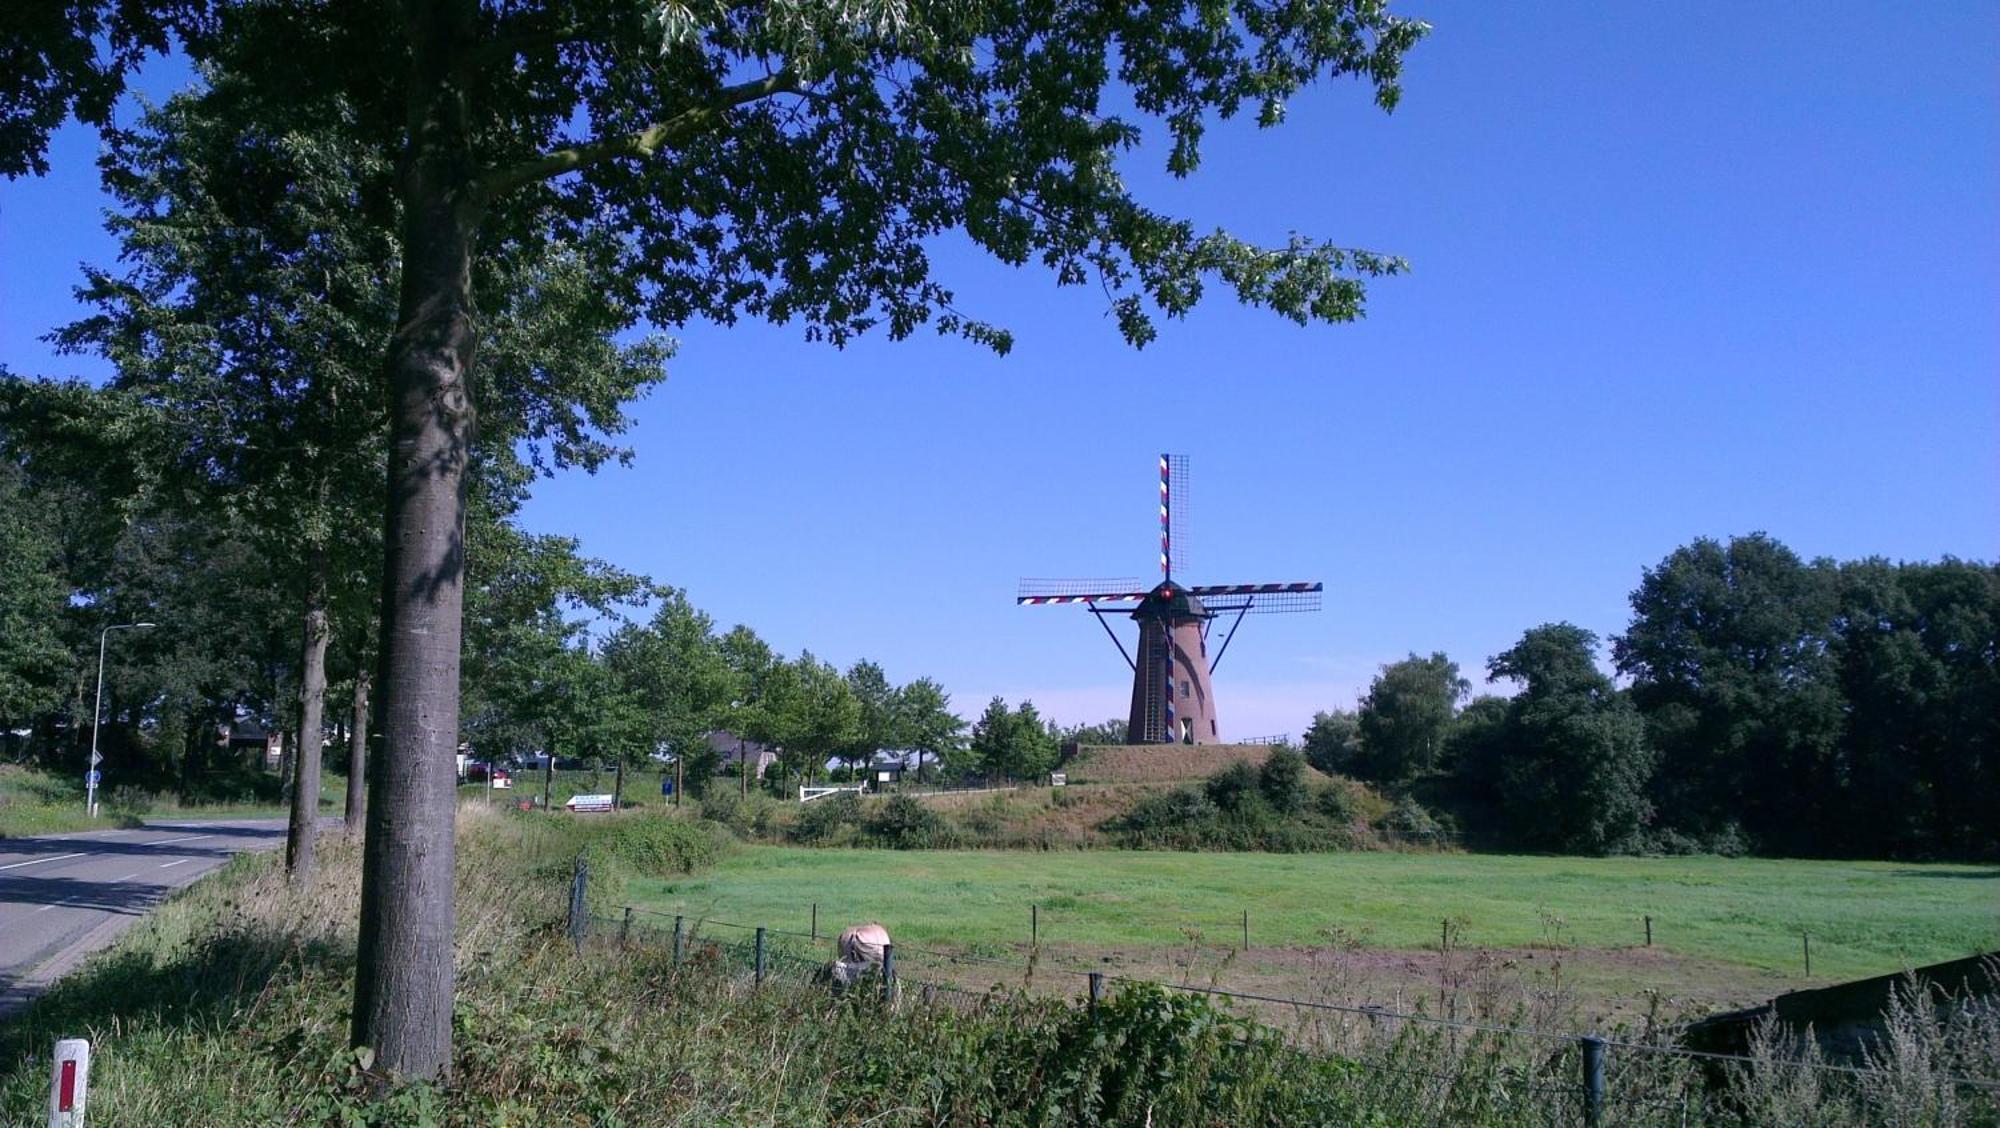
(1161, 763)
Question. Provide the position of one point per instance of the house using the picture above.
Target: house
(248, 737)
(733, 749)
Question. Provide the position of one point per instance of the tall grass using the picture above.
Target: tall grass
(229, 1007)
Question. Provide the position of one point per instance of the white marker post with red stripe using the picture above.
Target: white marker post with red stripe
(68, 1083)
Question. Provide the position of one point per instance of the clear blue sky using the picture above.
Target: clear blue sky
(1679, 270)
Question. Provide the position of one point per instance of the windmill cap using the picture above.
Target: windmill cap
(1170, 600)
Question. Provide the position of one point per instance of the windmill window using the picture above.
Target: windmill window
(1184, 688)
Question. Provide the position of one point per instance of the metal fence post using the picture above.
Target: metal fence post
(579, 911)
(888, 973)
(680, 938)
(1649, 931)
(760, 956)
(815, 924)
(1096, 988)
(1593, 1079)
(625, 928)
(1034, 926)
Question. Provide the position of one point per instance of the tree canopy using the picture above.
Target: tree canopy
(791, 162)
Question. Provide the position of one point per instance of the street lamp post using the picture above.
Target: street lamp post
(91, 776)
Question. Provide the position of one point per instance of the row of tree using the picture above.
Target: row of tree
(391, 199)
(1768, 703)
(94, 538)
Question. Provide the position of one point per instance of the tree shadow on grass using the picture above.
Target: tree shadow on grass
(212, 982)
(1958, 875)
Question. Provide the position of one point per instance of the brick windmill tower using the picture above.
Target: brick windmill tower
(1172, 698)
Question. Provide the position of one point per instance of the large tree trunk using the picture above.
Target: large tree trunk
(403, 982)
(357, 754)
(305, 777)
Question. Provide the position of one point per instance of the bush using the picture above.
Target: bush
(1165, 819)
(1233, 787)
(904, 823)
(1408, 821)
(1282, 780)
(1335, 804)
(654, 844)
(1729, 842)
(130, 800)
(759, 816)
(822, 821)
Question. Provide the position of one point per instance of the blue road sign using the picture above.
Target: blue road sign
(93, 777)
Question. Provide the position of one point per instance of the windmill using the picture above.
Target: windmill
(1172, 698)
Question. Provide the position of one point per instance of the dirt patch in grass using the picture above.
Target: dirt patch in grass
(1570, 989)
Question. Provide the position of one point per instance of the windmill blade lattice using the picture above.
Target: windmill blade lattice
(1174, 511)
(1259, 599)
(1037, 592)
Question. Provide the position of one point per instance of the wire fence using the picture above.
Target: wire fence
(1432, 1066)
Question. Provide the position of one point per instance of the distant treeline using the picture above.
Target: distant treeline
(1763, 704)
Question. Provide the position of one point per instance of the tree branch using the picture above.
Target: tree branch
(640, 143)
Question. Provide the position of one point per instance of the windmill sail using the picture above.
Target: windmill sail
(1172, 696)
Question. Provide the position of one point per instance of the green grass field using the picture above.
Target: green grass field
(1734, 922)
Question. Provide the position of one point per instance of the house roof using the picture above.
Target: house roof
(734, 749)
(248, 729)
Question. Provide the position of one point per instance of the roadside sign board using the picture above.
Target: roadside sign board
(1058, 779)
(589, 803)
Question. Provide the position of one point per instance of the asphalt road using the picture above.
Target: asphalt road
(67, 895)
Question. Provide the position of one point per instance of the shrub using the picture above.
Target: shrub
(1334, 803)
(1166, 819)
(822, 821)
(758, 816)
(1409, 821)
(1282, 780)
(1233, 787)
(653, 844)
(130, 800)
(1729, 842)
(904, 823)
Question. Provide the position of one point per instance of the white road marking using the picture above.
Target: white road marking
(127, 877)
(170, 865)
(38, 861)
(184, 838)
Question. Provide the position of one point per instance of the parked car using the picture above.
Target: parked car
(478, 772)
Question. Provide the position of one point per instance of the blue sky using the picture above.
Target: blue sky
(1678, 270)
